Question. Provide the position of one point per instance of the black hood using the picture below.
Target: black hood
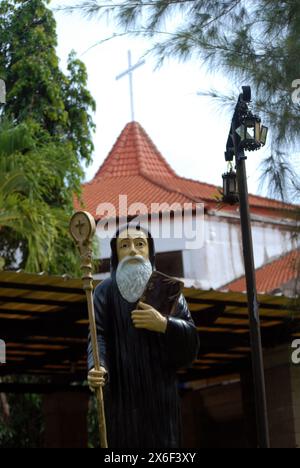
(113, 244)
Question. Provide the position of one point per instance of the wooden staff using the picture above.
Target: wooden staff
(82, 229)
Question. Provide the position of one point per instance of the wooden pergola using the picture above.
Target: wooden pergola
(43, 321)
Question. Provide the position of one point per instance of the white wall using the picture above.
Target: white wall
(220, 259)
(170, 235)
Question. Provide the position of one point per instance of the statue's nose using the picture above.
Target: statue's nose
(133, 251)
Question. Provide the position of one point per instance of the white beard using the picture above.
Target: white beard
(132, 278)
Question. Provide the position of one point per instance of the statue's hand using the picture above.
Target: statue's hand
(97, 379)
(149, 318)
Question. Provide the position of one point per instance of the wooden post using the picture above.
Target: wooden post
(82, 229)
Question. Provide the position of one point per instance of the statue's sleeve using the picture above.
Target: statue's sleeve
(100, 306)
(182, 338)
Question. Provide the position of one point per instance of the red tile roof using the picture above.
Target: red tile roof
(134, 154)
(271, 276)
(136, 168)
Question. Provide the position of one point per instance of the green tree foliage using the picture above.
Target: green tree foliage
(255, 42)
(29, 220)
(78, 102)
(52, 110)
(25, 426)
(36, 87)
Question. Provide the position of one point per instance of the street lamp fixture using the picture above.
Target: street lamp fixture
(249, 133)
(253, 135)
(230, 187)
(246, 133)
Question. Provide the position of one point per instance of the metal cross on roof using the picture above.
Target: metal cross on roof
(128, 72)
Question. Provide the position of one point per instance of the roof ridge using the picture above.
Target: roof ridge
(168, 189)
(107, 158)
(272, 199)
(261, 197)
(253, 196)
(199, 182)
(142, 155)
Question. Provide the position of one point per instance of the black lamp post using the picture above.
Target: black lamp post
(247, 133)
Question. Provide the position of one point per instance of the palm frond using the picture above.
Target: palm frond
(14, 139)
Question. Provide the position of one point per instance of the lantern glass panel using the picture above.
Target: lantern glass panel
(257, 131)
(232, 184)
(225, 186)
(263, 134)
(250, 129)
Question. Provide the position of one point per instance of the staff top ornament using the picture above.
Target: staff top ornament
(82, 227)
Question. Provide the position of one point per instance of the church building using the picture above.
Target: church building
(136, 176)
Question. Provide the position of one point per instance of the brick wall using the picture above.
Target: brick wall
(213, 418)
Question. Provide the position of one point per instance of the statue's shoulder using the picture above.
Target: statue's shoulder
(103, 288)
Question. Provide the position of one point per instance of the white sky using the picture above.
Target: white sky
(189, 130)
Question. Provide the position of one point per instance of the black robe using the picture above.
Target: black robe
(141, 397)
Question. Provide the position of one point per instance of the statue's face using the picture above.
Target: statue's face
(131, 243)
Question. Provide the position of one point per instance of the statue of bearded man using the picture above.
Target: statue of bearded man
(140, 350)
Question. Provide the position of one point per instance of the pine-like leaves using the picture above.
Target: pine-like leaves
(256, 42)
